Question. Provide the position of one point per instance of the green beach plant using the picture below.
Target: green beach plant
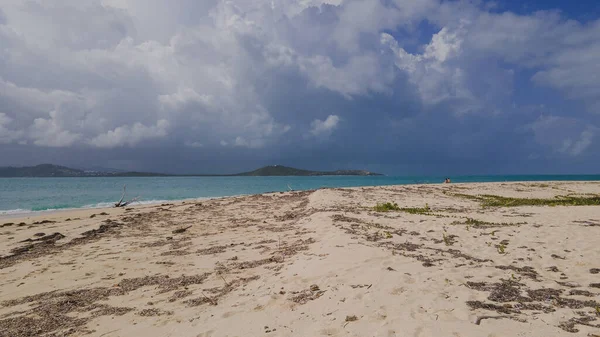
(446, 239)
(470, 222)
(388, 206)
(488, 200)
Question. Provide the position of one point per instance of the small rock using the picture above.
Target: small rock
(595, 270)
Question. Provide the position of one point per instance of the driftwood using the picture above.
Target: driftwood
(181, 230)
(122, 203)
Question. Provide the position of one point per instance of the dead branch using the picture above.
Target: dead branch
(212, 301)
(481, 318)
(122, 203)
(181, 230)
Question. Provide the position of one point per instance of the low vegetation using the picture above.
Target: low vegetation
(470, 222)
(500, 201)
(388, 206)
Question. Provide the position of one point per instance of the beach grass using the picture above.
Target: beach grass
(388, 206)
(488, 200)
(475, 223)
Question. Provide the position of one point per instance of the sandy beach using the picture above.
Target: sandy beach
(448, 260)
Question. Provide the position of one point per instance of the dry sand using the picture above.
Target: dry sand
(316, 263)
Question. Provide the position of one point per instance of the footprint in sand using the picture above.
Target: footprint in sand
(229, 314)
(409, 279)
(330, 332)
(398, 291)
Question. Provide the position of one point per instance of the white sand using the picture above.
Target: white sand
(250, 263)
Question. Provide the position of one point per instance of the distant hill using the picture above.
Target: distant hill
(278, 170)
(49, 170)
(44, 170)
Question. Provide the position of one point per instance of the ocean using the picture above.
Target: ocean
(25, 195)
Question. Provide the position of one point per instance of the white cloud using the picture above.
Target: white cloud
(584, 141)
(7, 135)
(564, 135)
(193, 144)
(249, 143)
(326, 127)
(50, 132)
(130, 135)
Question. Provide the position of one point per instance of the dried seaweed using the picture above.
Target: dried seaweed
(154, 312)
(526, 271)
(50, 309)
(307, 295)
(220, 292)
(212, 250)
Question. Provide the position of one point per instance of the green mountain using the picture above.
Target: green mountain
(44, 170)
(49, 170)
(278, 170)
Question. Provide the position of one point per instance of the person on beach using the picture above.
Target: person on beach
(447, 181)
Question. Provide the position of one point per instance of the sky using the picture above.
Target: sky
(401, 87)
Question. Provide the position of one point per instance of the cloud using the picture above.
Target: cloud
(319, 127)
(564, 135)
(130, 135)
(7, 135)
(50, 133)
(193, 144)
(255, 77)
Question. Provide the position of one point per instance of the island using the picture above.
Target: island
(50, 170)
(279, 170)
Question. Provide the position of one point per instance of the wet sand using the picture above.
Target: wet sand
(314, 263)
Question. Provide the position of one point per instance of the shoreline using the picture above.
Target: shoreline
(17, 213)
(12, 214)
(324, 262)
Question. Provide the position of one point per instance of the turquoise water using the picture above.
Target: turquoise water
(22, 195)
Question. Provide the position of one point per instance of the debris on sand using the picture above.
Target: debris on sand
(352, 318)
(307, 295)
(155, 312)
(50, 309)
(181, 230)
(45, 245)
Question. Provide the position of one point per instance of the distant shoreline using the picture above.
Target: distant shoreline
(52, 171)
